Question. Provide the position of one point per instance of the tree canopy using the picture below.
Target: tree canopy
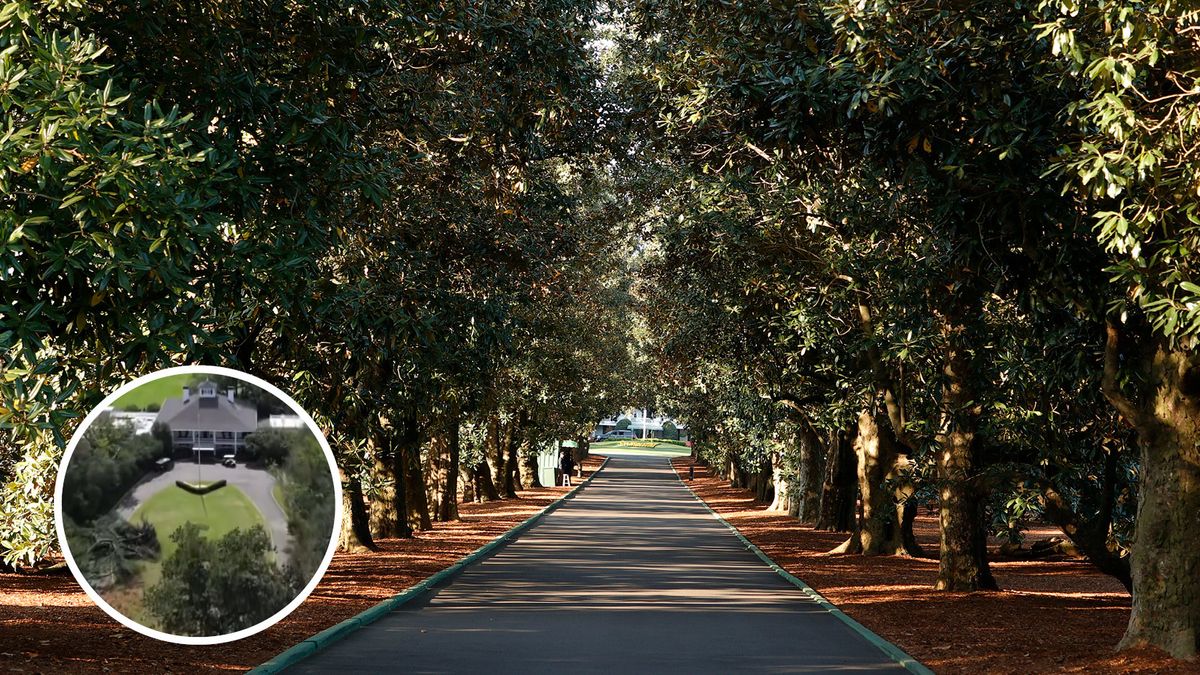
(894, 251)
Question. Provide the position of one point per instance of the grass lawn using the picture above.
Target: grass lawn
(648, 447)
(157, 391)
(217, 512)
(277, 493)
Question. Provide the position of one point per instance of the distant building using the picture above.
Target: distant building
(282, 422)
(642, 422)
(140, 422)
(206, 424)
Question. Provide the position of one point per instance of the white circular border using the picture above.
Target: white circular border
(186, 639)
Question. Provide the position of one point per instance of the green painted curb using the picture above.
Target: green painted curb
(339, 631)
(895, 653)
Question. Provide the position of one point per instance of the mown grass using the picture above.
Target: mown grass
(154, 392)
(217, 513)
(636, 446)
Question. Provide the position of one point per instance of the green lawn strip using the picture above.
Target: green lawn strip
(277, 493)
(639, 442)
(219, 512)
(621, 448)
(155, 392)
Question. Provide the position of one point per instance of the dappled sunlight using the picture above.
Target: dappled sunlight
(46, 618)
(1041, 601)
(634, 558)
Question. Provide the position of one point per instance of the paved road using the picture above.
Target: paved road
(631, 576)
(256, 483)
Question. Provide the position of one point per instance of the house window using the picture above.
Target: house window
(225, 435)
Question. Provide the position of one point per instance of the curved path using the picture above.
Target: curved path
(255, 483)
(633, 575)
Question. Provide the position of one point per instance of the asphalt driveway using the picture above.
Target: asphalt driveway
(256, 483)
(631, 576)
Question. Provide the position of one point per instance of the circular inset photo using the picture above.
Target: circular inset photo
(198, 505)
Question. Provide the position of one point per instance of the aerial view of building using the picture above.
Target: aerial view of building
(147, 511)
(206, 424)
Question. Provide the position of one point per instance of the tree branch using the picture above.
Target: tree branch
(1108, 382)
(885, 383)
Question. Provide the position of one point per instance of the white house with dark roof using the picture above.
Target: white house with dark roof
(206, 423)
(644, 423)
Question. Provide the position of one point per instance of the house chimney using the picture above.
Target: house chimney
(187, 394)
(229, 394)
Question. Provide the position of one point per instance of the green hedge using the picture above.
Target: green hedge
(201, 489)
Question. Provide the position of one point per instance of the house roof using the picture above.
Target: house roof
(224, 416)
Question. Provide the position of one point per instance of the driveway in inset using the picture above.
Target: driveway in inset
(633, 575)
(256, 483)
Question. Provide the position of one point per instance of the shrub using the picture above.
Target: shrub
(218, 587)
(201, 489)
(670, 431)
(272, 446)
(108, 461)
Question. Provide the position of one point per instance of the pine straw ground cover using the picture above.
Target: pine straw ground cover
(48, 625)
(1055, 616)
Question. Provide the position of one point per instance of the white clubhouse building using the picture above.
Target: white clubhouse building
(206, 424)
(643, 423)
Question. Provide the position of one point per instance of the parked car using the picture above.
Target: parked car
(617, 434)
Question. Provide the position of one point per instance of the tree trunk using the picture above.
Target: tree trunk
(781, 483)
(839, 491)
(895, 445)
(737, 477)
(448, 508)
(964, 565)
(512, 462)
(434, 470)
(418, 499)
(1165, 559)
(496, 453)
(406, 439)
(356, 531)
(878, 532)
(908, 539)
(384, 523)
(466, 482)
(512, 482)
(485, 489)
(507, 460)
(764, 486)
(807, 501)
(1090, 534)
(531, 471)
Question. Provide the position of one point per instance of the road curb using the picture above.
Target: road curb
(895, 653)
(339, 631)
